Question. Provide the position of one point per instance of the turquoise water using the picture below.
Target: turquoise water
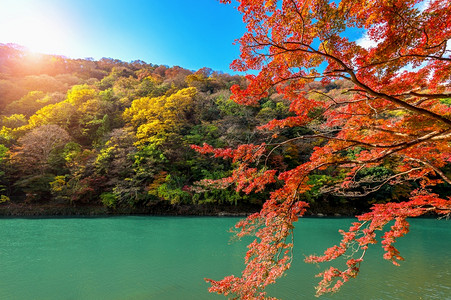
(168, 257)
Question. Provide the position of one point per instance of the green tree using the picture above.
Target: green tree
(3, 178)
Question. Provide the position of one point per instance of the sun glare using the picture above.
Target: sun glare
(41, 36)
(37, 28)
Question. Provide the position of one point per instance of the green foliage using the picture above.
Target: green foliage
(36, 187)
(71, 151)
(3, 157)
(30, 103)
(352, 153)
(125, 131)
(204, 133)
(228, 107)
(446, 101)
(109, 200)
(60, 189)
(102, 160)
(129, 192)
(318, 181)
(3, 152)
(272, 109)
(171, 189)
(173, 194)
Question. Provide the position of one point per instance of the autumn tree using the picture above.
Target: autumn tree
(61, 114)
(159, 123)
(38, 158)
(156, 118)
(32, 102)
(81, 184)
(38, 145)
(115, 163)
(13, 121)
(393, 115)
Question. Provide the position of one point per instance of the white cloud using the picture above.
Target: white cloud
(422, 6)
(366, 42)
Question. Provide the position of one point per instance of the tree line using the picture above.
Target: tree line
(116, 134)
(107, 132)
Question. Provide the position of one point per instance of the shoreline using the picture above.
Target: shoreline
(161, 209)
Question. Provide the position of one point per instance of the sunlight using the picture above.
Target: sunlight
(39, 29)
(42, 36)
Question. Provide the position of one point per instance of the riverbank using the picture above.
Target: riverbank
(162, 209)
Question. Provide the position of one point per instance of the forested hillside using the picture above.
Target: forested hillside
(81, 132)
(117, 134)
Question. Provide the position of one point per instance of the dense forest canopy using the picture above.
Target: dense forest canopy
(115, 134)
(107, 132)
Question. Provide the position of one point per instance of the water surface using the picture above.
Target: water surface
(168, 257)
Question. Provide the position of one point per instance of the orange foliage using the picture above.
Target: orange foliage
(393, 114)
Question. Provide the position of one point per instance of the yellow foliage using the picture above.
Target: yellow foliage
(13, 121)
(4, 198)
(7, 133)
(80, 93)
(159, 115)
(90, 107)
(59, 113)
(58, 184)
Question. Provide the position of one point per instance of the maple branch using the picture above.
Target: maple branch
(398, 147)
(367, 190)
(429, 96)
(383, 95)
(400, 102)
(400, 56)
(391, 131)
(299, 13)
(426, 56)
(376, 159)
(401, 146)
(436, 170)
(395, 10)
(366, 88)
(277, 145)
(424, 138)
(442, 44)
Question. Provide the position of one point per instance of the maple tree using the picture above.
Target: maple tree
(394, 115)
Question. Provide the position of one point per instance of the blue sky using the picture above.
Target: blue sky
(191, 34)
(187, 33)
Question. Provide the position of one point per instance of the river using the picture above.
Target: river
(168, 257)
